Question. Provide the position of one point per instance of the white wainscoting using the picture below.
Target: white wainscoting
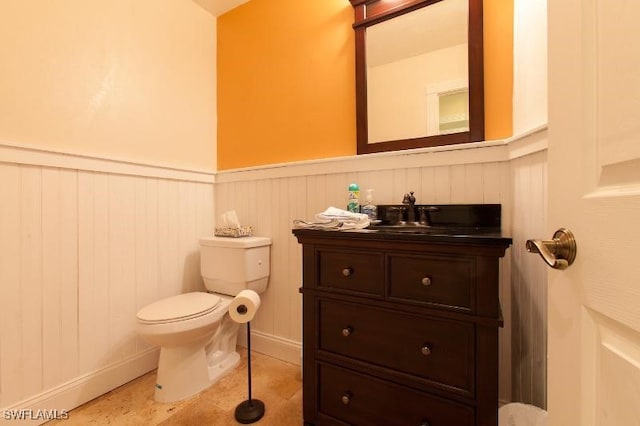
(81, 250)
(528, 298)
(510, 173)
(85, 242)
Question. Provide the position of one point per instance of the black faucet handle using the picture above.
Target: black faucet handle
(409, 198)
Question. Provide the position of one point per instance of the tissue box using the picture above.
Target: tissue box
(233, 231)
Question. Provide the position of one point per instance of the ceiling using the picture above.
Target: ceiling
(218, 7)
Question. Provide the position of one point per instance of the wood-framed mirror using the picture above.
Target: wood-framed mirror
(419, 73)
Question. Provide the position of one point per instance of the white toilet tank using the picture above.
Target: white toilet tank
(230, 265)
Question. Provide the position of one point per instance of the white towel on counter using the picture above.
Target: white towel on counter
(334, 218)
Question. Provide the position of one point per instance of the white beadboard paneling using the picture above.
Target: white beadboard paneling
(506, 197)
(474, 184)
(529, 284)
(146, 225)
(188, 238)
(204, 204)
(152, 246)
(382, 184)
(93, 270)
(427, 193)
(60, 278)
(443, 184)
(298, 196)
(168, 270)
(316, 197)
(303, 191)
(491, 186)
(135, 236)
(506, 283)
(31, 277)
(337, 190)
(86, 266)
(400, 185)
(279, 288)
(11, 388)
(414, 176)
(81, 251)
(458, 184)
(121, 233)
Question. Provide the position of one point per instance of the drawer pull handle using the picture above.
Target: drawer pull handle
(346, 332)
(346, 398)
(425, 350)
(426, 281)
(347, 271)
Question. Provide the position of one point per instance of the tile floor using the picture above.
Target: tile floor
(276, 383)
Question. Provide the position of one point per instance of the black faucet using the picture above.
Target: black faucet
(410, 201)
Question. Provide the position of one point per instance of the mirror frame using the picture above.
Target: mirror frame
(371, 12)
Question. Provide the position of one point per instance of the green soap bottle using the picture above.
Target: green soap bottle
(353, 205)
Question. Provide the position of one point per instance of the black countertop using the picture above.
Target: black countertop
(451, 224)
(436, 236)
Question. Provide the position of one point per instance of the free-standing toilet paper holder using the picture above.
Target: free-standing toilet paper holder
(251, 410)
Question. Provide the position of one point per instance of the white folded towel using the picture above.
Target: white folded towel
(324, 224)
(349, 220)
(336, 213)
(334, 218)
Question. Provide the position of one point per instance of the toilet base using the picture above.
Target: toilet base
(185, 371)
(221, 368)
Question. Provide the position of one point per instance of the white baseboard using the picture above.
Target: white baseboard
(84, 388)
(274, 346)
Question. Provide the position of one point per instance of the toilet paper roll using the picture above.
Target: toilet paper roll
(244, 306)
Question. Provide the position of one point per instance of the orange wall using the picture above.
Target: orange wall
(498, 68)
(286, 80)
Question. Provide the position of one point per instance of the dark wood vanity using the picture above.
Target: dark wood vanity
(400, 328)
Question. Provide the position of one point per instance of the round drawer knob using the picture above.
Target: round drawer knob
(426, 281)
(425, 423)
(425, 350)
(347, 272)
(346, 398)
(346, 332)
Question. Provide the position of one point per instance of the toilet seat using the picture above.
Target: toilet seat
(179, 308)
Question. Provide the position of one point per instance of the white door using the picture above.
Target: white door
(594, 190)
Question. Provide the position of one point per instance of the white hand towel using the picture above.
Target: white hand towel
(336, 213)
(325, 224)
(349, 220)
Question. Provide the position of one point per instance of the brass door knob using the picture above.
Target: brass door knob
(559, 253)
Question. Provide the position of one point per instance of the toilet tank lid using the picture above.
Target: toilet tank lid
(242, 242)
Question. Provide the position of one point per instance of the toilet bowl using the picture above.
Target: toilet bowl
(196, 336)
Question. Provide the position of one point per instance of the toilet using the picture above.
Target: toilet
(196, 336)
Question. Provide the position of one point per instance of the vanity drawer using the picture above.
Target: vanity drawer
(433, 280)
(436, 350)
(359, 272)
(360, 399)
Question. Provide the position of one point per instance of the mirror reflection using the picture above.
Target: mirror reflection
(417, 73)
